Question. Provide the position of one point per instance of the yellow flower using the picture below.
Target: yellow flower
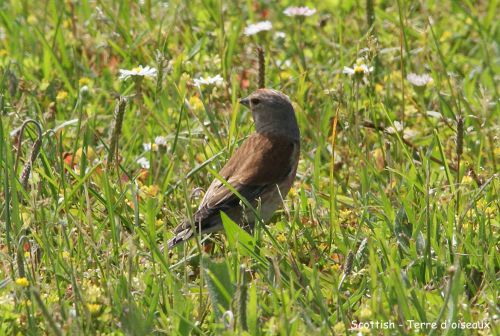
(496, 151)
(379, 88)
(365, 314)
(61, 95)
(23, 282)
(335, 267)
(32, 19)
(65, 255)
(93, 308)
(467, 180)
(3, 52)
(481, 204)
(490, 212)
(91, 155)
(84, 81)
(364, 330)
(196, 103)
(339, 328)
(446, 35)
(67, 23)
(293, 192)
(281, 238)
(150, 191)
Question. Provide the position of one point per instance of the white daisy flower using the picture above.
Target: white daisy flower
(358, 69)
(217, 79)
(419, 80)
(143, 162)
(161, 140)
(434, 114)
(398, 127)
(139, 71)
(279, 35)
(299, 11)
(255, 28)
(147, 146)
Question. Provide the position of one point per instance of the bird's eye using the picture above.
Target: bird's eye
(255, 101)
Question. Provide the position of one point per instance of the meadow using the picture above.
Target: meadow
(117, 115)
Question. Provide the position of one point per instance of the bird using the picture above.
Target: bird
(262, 170)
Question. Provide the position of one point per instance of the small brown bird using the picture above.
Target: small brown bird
(261, 170)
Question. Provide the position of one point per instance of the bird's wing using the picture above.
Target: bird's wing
(260, 162)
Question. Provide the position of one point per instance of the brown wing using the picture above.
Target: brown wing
(262, 160)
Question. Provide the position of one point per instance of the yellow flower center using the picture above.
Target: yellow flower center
(23, 282)
(359, 70)
(137, 69)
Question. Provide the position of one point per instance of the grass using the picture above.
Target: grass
(394, 215)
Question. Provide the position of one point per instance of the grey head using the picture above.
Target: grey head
(273, 113)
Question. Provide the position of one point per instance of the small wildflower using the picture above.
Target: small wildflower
(490, 212)
(66, 255)
(379, 88)
(32, 20)
(481, 204)
(359, 70)
(196, 103)
(280, 35)
(281, 238)
(299, 11)
(161, 141)
(419, 80)
(22, 282)
(61, 95)
(365, 314)
(150, 147)
(256, 28)
(143, 162)
(339, 328)
(434, 114)
(335, 268)
(147, 71)
(398, 127)
(93, 308)
(467, 179)
(217, 79)
(84, 81)
(149, 191)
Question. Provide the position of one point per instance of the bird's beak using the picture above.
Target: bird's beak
(245, 101)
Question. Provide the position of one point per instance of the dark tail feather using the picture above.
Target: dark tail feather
(180, 237)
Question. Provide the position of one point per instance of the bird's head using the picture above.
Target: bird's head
(273, 113)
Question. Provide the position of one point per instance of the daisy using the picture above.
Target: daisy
(280, 35)
(161, 140)
(139, 71)
(217, 79)
(255, 28)
(150, 147)
(143, 162)
(358, 70)
(419, 80)
(398, 127)
(299, 11)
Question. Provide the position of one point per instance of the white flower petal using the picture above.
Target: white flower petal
(143, 162)
(255, 28)
(299, 11)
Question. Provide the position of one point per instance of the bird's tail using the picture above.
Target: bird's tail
(180, 237)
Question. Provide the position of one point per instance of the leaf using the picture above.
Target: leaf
(238, 238)
(220, 287)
